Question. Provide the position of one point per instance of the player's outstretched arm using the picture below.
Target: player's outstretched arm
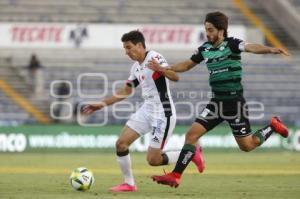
(171, 75)
(261, 49)
(183, 66)
(179, 67)
(119, 96)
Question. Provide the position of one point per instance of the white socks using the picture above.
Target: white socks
(125, 166)
(173, 156)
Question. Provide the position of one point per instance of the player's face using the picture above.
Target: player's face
(132, 50)
(212, 33)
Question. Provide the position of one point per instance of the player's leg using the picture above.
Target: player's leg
(238, 120)
(135, 127)
(127, 137)
(252, 141)
(163, 128)
(156, 157)
(208, 119)
(240, 126)
(236, 114)
(191, 150)
(162, 131)
(186, 155)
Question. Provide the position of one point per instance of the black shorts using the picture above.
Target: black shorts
(235, 112)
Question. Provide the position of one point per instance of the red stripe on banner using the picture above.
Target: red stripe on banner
(156, 75)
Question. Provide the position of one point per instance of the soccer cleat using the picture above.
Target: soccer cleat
(172, 179)
(124, 188)
(279, 127)
(198, 159)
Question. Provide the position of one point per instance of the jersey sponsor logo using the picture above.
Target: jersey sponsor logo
(222, 70)
(219, 59)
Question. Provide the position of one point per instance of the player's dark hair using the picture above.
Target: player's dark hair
(219, 20)
(135, 36)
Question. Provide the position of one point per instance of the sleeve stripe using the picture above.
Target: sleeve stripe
(132, 83)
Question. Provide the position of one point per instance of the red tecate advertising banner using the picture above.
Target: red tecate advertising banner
(65, 35)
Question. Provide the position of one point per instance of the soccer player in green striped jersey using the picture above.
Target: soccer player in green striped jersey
(222, 55)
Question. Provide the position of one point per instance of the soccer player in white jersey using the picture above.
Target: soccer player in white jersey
(157, 115)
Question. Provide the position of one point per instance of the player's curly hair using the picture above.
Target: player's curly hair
(219, 20)
(135, 36)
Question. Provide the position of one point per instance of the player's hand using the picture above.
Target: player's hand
(154, 65)
(279, 51)
(90, 108)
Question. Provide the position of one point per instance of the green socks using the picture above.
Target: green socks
(186, 155)
(263, 134)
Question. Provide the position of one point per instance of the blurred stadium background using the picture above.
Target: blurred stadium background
(78, 43)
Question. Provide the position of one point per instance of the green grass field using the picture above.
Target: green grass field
(229, 174)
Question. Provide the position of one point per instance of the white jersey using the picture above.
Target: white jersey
(155, 87)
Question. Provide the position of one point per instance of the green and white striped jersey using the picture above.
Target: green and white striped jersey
(224, 65)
